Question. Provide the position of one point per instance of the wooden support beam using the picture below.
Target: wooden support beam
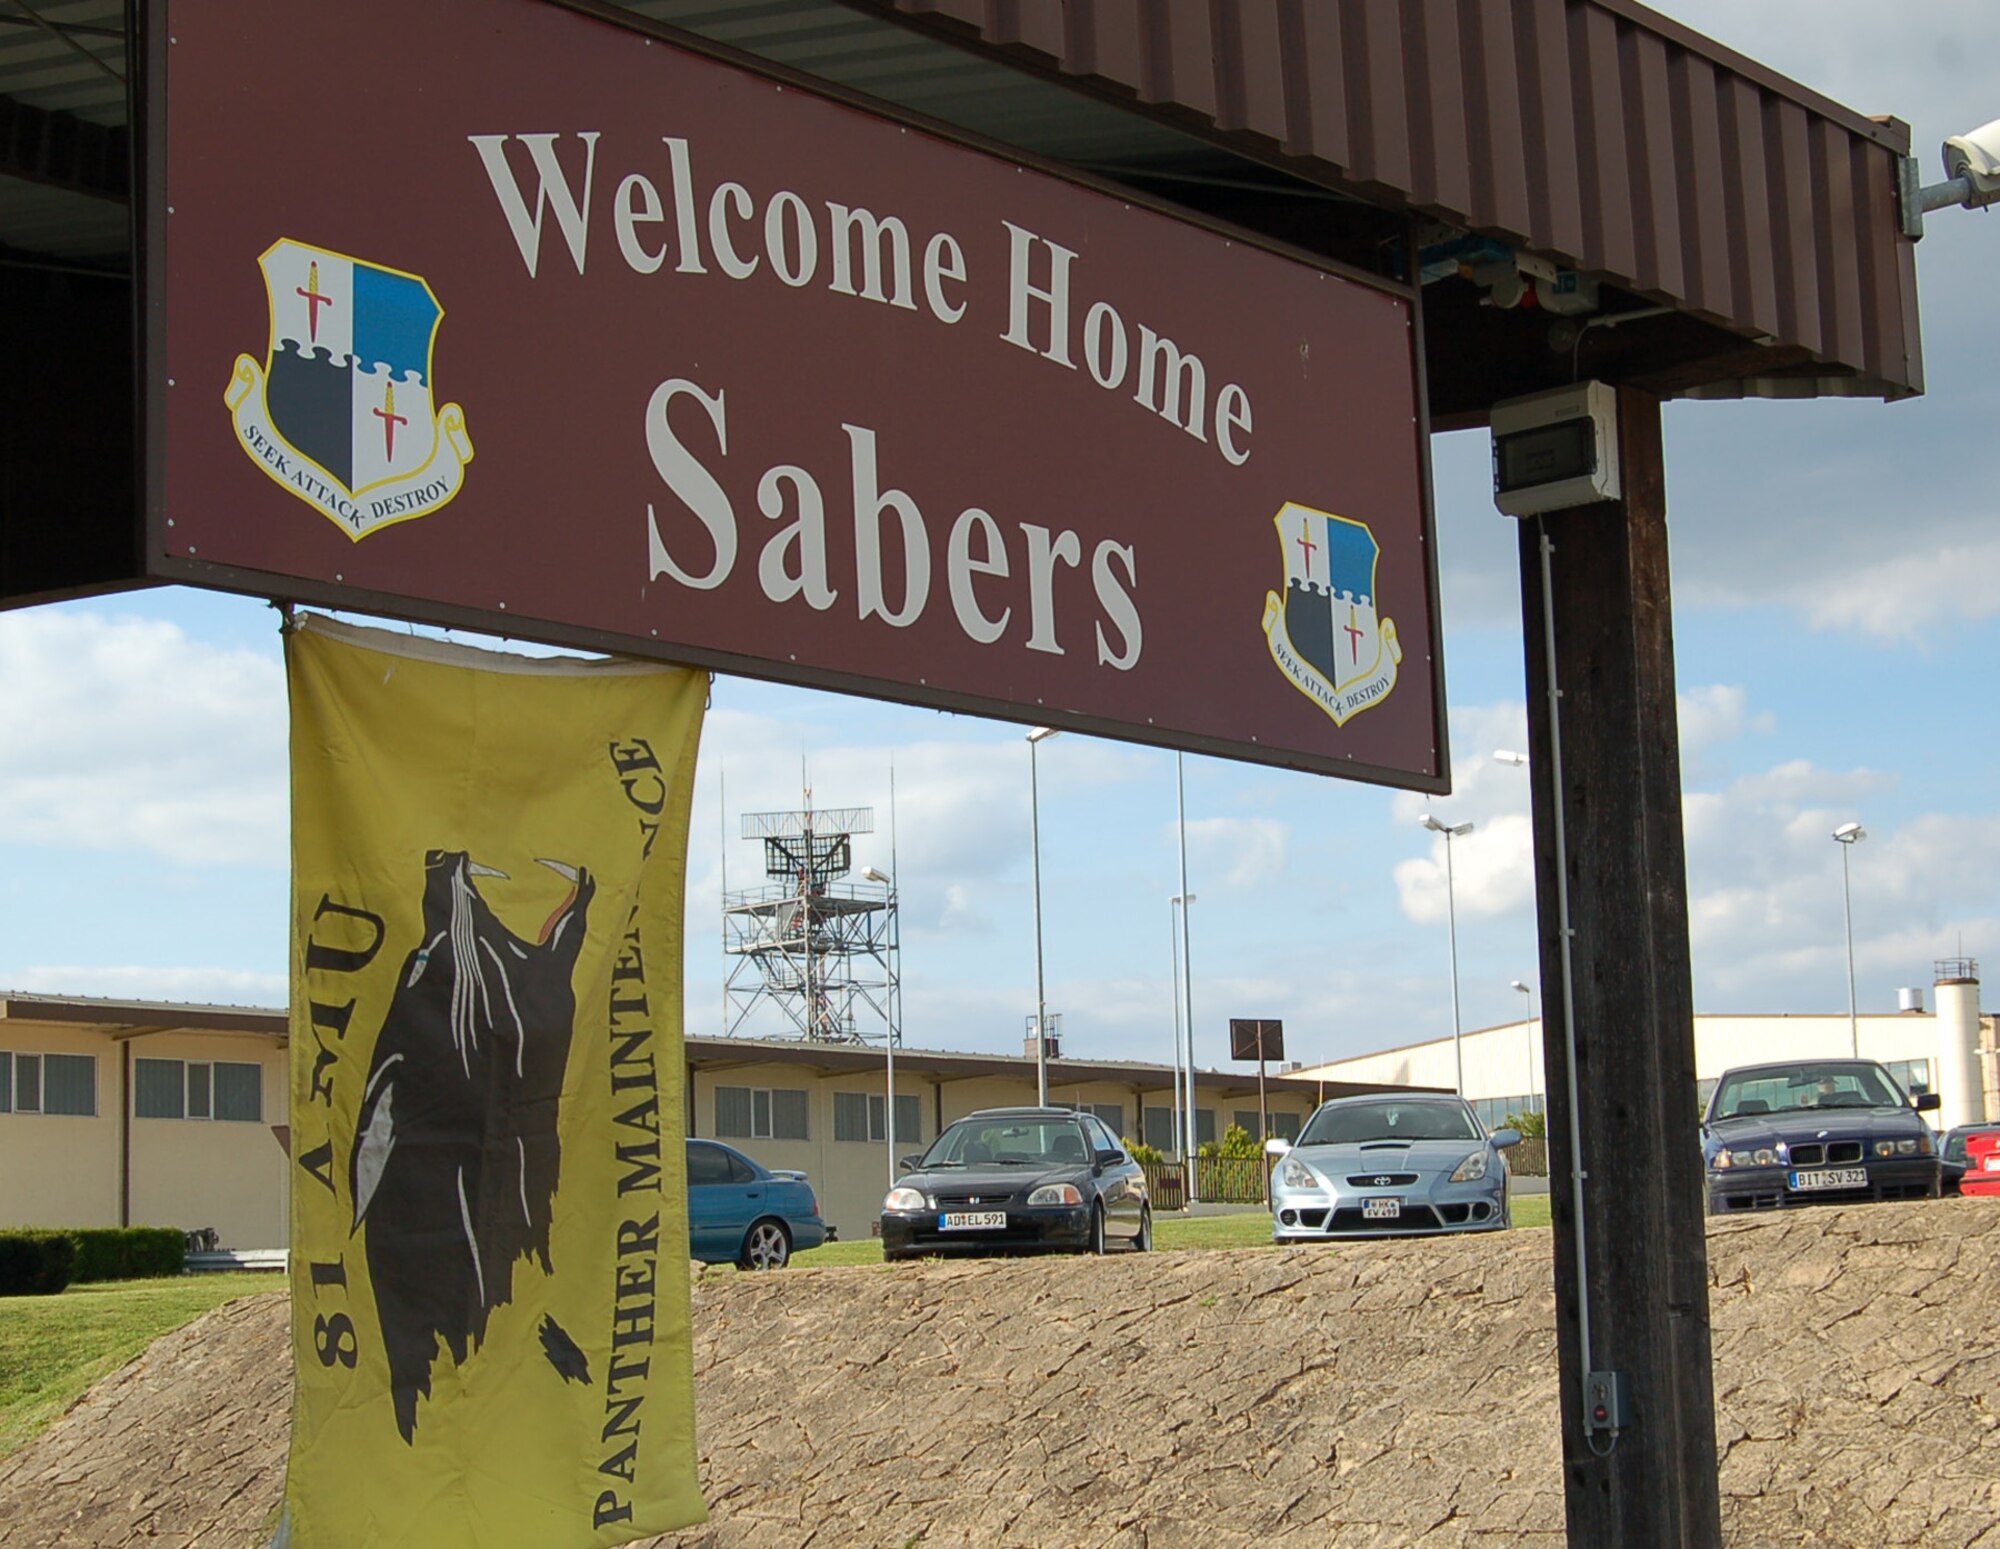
(1631, 998)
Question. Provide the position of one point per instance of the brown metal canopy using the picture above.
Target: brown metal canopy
(1593, 133)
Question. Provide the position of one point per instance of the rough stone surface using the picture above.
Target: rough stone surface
(1387, 1394)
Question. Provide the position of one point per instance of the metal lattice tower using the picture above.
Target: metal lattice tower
(821, 948)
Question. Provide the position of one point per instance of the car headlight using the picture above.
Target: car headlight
(1747, 1156)
(905, 1199)
(1294, 1174)
(1471, 1169)
(1056, 1194)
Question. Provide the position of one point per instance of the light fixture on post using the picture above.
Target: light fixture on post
(1849, 835)
(1035, 738)
(1529, 990)
(889, 1043)
(1452, 831)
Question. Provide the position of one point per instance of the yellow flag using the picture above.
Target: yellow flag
(489, 1201)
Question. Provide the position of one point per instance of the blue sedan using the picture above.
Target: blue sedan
(743, 1213)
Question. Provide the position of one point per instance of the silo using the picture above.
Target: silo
(1958, 1085)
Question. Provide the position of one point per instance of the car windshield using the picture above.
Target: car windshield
(1797, 1088)
(1349, 1124)
(982, 1142)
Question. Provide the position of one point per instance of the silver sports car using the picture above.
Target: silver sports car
(1390, 1166)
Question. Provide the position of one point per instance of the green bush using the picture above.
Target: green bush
(1144, 1154)
(35, 1263)
(128, 1253)
(1532, 1125)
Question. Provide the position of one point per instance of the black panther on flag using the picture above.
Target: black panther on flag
(458, 1150)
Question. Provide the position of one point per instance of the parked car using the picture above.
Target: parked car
(1815, 1131)
(1951, 1153)
(1970, 1159)
(743, 1213)
(1007, 1179)
(1405, 1165)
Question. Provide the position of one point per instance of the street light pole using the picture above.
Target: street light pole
(1039, 735)
(1849, 835)
(1528, 991)
(1451, 832)
(889, 1043)
(1187, 969)
(1174, 987)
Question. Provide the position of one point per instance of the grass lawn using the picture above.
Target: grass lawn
(54, 1347)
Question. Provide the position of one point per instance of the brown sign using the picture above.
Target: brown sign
(491, 313)
(1252, 1040)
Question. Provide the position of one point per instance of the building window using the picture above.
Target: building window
(1111, 1116)
(1159, 1128)
(1245, 1119)
(760, 1113)
(198, 1089)
(1204, 1126)
(863, 1116)
(49, 1083)
(1285, 1125)
(239, 1091)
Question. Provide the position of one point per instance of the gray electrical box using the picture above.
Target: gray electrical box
(1606, 1405)
(1555, 450)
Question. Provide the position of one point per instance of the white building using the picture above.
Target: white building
(1947, 1049)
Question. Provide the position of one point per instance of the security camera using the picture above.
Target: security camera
(1974, 159)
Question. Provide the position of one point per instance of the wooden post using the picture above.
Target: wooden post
(1644, 1268)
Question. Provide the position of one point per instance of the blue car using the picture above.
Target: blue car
(1402, 1166)
(1812, 1132)
(743, 1213)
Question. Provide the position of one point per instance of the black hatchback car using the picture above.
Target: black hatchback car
(1815, 1131)
(1010, 1179)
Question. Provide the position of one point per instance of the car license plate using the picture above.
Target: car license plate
(1991, 1164)
(971, 1220)
(1832, 1178)
(1381, 1209)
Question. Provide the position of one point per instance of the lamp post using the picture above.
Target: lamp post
(1035, 738)
(1849, 835)
(1183, 1122)
(889, 1043)
(1452, 831)
(1187, 966)
(1528, 990)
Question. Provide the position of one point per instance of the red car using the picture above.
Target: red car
(1982, 1164)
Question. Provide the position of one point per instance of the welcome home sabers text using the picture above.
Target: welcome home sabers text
(874, 259)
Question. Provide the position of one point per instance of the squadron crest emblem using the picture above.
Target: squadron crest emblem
(1325, 632)
(342, 412)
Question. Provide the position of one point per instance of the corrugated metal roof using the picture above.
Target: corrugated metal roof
(1595, 133)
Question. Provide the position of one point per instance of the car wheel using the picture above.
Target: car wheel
(1143, 1243)
(767, 1245)
(1097, 1229)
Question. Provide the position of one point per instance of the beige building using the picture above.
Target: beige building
(147, 1114)
(120, 1114)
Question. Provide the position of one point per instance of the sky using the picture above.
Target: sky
(1836, 575)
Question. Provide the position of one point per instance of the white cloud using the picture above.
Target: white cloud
(126, 734)
(1248, 852)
